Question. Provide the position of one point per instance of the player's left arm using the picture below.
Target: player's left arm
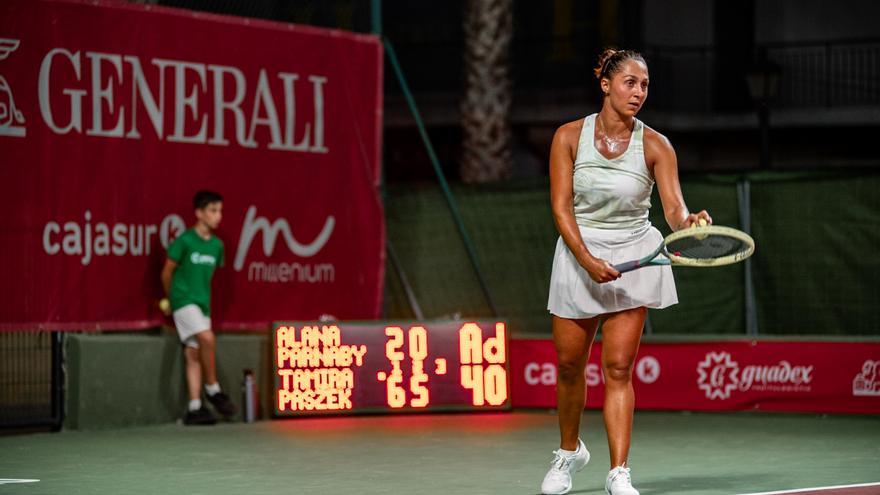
(661, 160)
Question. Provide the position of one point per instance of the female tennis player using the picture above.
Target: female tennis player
(602, 170)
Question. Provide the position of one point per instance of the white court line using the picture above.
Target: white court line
(6, 481)
(818, 488)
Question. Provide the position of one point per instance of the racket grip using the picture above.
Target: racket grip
(628, 266)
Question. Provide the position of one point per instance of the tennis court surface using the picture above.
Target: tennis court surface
(493, 453)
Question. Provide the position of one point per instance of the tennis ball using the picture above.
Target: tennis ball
(165, 305)
(703, 223)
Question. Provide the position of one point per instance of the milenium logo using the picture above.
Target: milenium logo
(260, 271)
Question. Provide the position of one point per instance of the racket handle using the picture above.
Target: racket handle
(628, 266)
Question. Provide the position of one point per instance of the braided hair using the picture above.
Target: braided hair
(611, 60)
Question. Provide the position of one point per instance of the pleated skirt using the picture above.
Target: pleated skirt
(573, 294)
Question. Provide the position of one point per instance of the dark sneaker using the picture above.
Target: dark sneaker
(223, 405)
(201, 416)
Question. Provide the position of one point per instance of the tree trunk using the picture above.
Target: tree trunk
(485, 110)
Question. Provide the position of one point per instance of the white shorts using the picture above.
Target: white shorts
(573, 294)
(189, 321)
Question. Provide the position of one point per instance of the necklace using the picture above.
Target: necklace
(613, 144)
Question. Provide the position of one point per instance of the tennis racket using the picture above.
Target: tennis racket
(697, 246)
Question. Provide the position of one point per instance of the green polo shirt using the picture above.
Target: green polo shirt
(196, 260)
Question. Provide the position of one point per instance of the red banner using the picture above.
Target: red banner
(832, 377)
(112, 115)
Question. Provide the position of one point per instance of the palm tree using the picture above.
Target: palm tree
(485, 109)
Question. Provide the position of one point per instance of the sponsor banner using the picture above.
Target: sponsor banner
(113, 114)
(831, 377)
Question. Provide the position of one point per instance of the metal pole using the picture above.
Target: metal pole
(404, 281)
(376, 17)
(441, 178)
(57, 380)
(376, 28)
(764, 123)
(743, 196)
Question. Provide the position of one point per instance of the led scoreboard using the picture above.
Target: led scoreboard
(339, 367)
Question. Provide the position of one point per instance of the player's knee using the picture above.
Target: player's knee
(191, 353)
(570, 370)
(206, 339)
(618, 371)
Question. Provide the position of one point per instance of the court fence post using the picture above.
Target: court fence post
(744, 199)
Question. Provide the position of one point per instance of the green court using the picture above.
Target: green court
(497, 453)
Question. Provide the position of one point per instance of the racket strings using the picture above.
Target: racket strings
(708, 246)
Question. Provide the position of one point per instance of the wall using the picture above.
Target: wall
(133, 379)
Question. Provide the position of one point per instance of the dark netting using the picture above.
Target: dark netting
(29, 379)
(815, 271)
(809, 270)
(512, 229)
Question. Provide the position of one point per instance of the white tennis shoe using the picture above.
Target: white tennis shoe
(619, 482)
(558, 478)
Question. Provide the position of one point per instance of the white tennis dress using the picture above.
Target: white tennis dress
(611, 202)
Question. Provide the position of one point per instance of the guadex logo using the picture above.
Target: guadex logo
(11, 118)
(719, 375)
(867, 382)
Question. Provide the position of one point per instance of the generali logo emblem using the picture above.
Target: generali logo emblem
(719, 375)
(11, 118)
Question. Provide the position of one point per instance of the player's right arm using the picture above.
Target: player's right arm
(167, 275)
(562, 153)
(175, 253)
